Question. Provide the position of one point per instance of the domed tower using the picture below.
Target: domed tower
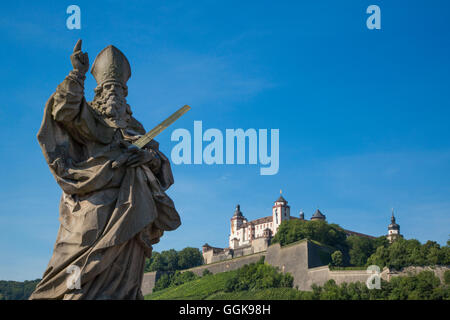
(280, 212)
(393, 229)
(236, 222)
(302, 215)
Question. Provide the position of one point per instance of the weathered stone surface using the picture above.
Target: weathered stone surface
(227, 265)
(413, 270)
(110, 217)
(148, 282)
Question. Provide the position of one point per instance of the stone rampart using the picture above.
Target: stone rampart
(305, 260)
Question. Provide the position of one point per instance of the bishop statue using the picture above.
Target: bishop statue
(110, 216)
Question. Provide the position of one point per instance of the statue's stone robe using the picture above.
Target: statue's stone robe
(109, 217)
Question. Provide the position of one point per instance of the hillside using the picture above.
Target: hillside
(196, 290)
(211, 287)
(423, 286)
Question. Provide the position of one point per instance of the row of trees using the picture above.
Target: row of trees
(15, 290)
(403, 253)
(363, 251)
(423, 286)
(172, 260)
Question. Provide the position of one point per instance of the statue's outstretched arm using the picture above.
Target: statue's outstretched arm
(69, 94)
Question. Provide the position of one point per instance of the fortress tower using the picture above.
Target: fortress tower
(280, 212)
(318, 216)
(302, 215)
(237, 233)
(250, 237)
(393, 229)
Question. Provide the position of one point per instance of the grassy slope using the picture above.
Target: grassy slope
(263, 294)
(196, 290)
(211, 287)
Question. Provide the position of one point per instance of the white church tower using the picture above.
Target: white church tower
(237, 235)
(280, 212)
(393, 229)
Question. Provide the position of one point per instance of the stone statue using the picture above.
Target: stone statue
(110, 216)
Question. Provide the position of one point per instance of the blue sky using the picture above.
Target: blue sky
(363, 114)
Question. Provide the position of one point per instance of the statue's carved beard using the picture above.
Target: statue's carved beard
(113, 108)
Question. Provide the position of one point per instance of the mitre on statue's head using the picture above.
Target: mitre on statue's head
(111, 65)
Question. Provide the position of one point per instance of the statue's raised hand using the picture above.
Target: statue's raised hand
(80, 60)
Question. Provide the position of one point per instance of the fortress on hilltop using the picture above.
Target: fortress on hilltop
(307, 261)
(249, 237)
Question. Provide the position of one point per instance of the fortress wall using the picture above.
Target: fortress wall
(148, 282)
(243, 251)
(207, 256)
(304, 261)
(341, 276)
(260, 244)
(318, 255)
(227, 265)
(291, 258)
(294, 258)
(219, 257)
(413, 270)
(318, 276)
(150, 278)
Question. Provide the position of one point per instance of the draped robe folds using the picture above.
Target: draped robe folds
(109, 217)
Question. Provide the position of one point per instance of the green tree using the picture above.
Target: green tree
(331, 291)
(318, 230)
(163, 282)
(155, 263)
(403, 253)
(258, 276)
(189, 258)
(182, 277)
(447, 277)
(172, 260)
(361, 248)
(173, 279)
(423, 286)
(206, 272)
(337, 259)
